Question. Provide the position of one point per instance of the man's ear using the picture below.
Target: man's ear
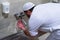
(29, 12)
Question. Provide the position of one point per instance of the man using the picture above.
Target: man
(42, 18)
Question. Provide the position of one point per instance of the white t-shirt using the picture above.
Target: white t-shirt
(45, 17)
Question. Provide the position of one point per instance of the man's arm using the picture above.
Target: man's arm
(25, 30)
(40, 33)
(27, 33)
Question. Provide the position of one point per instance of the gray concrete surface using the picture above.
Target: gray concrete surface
(43, 37)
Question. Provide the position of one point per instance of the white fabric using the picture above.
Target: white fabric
(28, 6)
(44, 17)
(33, 33)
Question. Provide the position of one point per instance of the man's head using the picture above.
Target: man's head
(28, 8)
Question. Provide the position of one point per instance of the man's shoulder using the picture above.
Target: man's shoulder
(45, 4)
(41, 5)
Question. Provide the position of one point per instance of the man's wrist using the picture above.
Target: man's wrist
(24, 29)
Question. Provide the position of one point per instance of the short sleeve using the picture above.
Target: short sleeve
(34, 25)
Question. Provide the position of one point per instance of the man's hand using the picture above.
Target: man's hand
(20, 24)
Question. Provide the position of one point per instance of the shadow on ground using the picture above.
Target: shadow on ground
(16, 36)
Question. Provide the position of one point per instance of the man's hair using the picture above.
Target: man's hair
(30, 9)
